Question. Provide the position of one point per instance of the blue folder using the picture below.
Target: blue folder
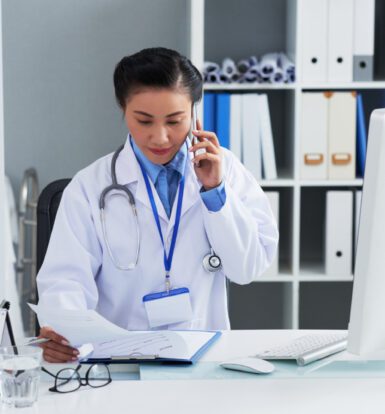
(361, 137)
(223, 119)
(209, 111)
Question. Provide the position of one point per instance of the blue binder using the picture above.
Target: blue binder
(361, 137)
(223, 119)
(209, 111)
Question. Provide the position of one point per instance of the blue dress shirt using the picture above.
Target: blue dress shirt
(166, 180)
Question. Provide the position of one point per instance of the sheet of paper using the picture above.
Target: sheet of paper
(79, 326)
(161, 344)
(109, 340)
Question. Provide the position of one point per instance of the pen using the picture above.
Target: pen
(37, 341)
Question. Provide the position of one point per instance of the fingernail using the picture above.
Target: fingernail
(75, 352)
(63, 342)
(195, 131)
(74, 358)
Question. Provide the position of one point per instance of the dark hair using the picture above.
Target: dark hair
(156, 67)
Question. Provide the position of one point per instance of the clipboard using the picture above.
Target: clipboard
(137, 358)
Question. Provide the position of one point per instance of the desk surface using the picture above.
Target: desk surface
(294, 395)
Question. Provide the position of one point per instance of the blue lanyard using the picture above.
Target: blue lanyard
(166, 259)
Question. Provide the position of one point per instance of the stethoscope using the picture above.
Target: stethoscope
(211, 262)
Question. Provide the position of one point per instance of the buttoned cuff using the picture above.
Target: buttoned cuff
(215, 198)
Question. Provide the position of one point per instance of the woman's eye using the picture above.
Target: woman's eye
(144, 122)
(173, 122)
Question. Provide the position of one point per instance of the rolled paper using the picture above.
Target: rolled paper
(210, 67)
(268, 64)
(243, 66)
(213, 77)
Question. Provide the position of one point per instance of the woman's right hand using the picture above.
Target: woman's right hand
(57, 349)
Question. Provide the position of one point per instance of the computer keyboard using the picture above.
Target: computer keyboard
(308, 348)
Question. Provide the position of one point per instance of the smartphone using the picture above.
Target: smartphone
(194, 140)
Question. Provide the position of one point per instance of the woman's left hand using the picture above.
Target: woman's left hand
(209, 171)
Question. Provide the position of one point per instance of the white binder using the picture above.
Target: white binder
(273, 197)
(251, 135)
(314, 40)
(267, 143)
(363, 44)
(235, 125)
(357, 217)
(340, 40)
(313, 135)
(339, 233)
(342, 136)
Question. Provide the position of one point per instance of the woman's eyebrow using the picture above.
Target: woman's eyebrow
(152, 116)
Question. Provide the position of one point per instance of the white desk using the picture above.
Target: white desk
(295, 395)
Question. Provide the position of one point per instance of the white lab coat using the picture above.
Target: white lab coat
(77, 271)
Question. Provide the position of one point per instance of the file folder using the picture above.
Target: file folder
(209, 111)
(363, 47)
(267, 142)
(314, 138)
(361, 137)
(235, 125)
(340, 40)
(357, 207)
(314, 40)
(339, 233)
(273, 197)
(223, 119)
(251, 135)
(342, 136)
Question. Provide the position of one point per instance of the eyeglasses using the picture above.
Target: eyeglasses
(69, 379)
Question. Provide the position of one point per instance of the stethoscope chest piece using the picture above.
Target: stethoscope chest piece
(212, 262)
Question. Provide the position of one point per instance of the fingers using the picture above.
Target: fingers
(211, 136)
(199, 125)
(57, 349)
(47, 332)
(206, 156)
(207, 145)
(51, 355)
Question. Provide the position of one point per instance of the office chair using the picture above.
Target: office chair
(47, 207)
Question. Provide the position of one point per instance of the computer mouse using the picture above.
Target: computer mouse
(250, 364)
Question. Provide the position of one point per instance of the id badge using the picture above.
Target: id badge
(165, 308)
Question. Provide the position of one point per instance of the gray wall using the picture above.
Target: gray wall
(59, 57)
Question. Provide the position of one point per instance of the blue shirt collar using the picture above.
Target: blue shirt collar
(178, 163)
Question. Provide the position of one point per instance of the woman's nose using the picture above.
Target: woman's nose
(160, 135)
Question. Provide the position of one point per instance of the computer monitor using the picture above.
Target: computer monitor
(367, 315)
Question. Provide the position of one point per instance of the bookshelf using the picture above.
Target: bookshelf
(239, 29)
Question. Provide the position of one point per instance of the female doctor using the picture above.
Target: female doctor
(154, 250)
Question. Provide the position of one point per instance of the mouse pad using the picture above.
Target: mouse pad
(283, 369)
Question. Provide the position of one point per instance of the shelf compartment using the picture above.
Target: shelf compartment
(265, 305)
(248, 27)
(312, 231)
(324, 305)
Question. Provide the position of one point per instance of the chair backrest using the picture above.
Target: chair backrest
(47, 207)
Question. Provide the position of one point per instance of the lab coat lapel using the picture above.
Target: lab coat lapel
(128, 172)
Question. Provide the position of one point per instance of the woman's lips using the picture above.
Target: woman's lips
(162, 151)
